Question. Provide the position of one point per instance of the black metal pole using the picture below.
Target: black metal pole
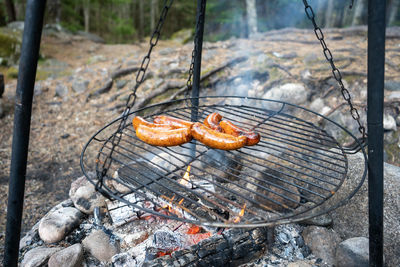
(22, 119)
(198, 43)
(376, 78)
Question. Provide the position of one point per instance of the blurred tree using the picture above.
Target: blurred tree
(86, 14)
(394, 12)
(360, 12)
(10, 8)
(251, 14)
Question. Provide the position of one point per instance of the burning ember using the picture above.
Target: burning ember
(186, 178)
(241, 213)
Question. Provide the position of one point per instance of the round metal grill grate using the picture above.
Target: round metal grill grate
(296, 172)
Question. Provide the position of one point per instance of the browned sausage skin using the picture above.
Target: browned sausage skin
(175, 122)
(230, 128)
(140, 121)
(162, 136)
(218, 140)
(212, 121)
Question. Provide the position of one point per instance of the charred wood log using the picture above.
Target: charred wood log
(232, 248)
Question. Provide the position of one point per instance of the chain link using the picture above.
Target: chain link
(335, 71)
(140, 76)
(189, 82)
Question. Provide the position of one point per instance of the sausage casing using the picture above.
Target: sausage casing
(212, 121)
(162, 136)
(218, 140)
(140, 121)
(174, 122)
(230, 128)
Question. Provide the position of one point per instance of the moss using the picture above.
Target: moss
(12, 73)
(9, 45)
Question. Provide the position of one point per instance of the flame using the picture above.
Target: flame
(194, 229)
(185, 179)
(241, 213)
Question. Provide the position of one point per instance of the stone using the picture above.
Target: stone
(392, 85)
(84, 196)
(322, 242)
(398, 120)
(301, 263)
(394, 95)
(16, 25)
(121, 83)
(351, 220)
(38, 256)
(69, 257)
(61, 90)
(182, 36)
(101, 246)
(353, 252)
(389, 123)
(80, 86)
(1, 108)
(322, 220)
(56, 225)
(123, 260)
(317, 105)
(293, 93)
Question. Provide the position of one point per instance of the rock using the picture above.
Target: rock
(100, 246)
(389, 123)
(91, 36)
(16, 25)
(38, 256)
(10, 46)
(398, 120)
(121, 83)
(285, 56)
(317, 105)
(61, 90)
(353, 252)
(392, 85)
(1, 84)
(351, 220)
(1, 108)
(322, 220)
(80, 86)
(30, 237)
(293, 93)
(394, 95)
(84, 196)
(96, 59)
(301, 263)
(56, 225)
(322, 242)
(69, 257)
(182, 36)
(123, 260)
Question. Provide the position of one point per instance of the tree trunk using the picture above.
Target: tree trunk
(394, 11)
(251, 17)
(329, 14)
(141, 20)
(86, 14)
(10, 11)
(54, 10)
(359, 12)
(153, 13)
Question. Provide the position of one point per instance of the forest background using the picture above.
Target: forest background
(129, 21)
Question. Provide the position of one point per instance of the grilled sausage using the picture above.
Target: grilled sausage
(230, 128)
(214, 139)
(175, 122)
(162, 136)
(212, 121)
(140, 121)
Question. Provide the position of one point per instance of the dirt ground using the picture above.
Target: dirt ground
(61, 125)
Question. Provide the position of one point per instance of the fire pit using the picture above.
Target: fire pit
(294, 173)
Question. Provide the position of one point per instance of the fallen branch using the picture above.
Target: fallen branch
(154, 93)
(182, 86)
(123, 72)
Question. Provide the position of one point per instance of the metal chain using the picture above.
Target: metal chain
(140, 76)
(335, 71)
(189, 82)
